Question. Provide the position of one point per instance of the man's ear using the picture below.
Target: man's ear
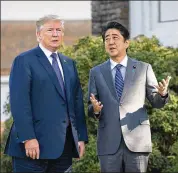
(38, 36)
(127, 43)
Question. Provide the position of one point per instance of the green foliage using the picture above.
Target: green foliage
(164, 127)
(164, 60)
(6, 165)
(90, 162)
(88, 52)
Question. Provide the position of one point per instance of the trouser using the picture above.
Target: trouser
(124, 160)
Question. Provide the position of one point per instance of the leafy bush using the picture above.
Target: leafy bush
(88, 52)
(6, 160)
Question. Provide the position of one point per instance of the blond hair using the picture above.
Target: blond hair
(41, 21)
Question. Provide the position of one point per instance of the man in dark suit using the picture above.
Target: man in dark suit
(46, 103)
(117, 92)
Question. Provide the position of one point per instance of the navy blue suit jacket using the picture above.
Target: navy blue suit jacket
(39, 108)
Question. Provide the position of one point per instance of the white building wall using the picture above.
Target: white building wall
(159, 18)
(32, 10)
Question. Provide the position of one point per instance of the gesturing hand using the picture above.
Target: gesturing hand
(32, 149)
(97, 106)
(163, 86)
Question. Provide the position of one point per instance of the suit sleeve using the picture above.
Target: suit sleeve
(19, 86)
(79, 111)
(151, 91)
(92, 89)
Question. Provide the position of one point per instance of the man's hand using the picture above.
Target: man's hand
(81, 146)
(97, 106)
(32, 148)
(163, 86)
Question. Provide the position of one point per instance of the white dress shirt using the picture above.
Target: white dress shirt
(48, 55)
(122, 69)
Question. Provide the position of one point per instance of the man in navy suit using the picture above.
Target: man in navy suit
(46, 100)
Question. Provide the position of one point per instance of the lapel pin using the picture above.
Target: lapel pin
(65, 60)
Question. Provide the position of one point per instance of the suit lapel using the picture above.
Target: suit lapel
(49, 69)
(66, 72)
(129, 76)
(106, 71)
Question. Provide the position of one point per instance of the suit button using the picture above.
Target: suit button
(120, 104)
(64, 121)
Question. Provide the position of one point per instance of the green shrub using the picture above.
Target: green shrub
(6, 165)
(88, 52)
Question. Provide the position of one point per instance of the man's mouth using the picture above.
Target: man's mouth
(112, 48)
(55, 41)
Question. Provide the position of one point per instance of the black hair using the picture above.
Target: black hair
(115, 25)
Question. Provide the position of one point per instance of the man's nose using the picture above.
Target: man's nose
(111, 41)
(55, 33)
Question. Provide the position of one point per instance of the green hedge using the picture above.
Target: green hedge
(88, 52)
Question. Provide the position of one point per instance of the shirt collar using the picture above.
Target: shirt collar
(46, 51)
(123, 62)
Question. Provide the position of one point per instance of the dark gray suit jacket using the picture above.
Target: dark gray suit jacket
(129, 116)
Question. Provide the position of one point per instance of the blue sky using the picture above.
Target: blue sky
(32, 10)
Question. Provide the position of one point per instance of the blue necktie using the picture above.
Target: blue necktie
(58, 71)
(119, 82)
(60, 79)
